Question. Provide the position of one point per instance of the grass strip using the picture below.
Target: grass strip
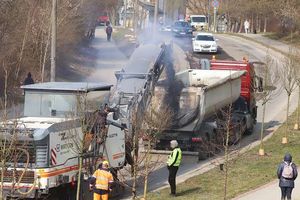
(285, 38)
(247, 172)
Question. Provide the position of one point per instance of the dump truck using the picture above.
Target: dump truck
(204, 96)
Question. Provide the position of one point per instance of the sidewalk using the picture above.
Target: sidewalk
(109, 58)
(270, 191)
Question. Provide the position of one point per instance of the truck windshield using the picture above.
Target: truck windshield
(198, 19)
(45, 104)
(59, 104)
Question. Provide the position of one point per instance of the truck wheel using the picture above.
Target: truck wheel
(249, 131)
(202, 155)
(203, 150)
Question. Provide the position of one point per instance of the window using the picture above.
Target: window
(182, 24)
(198, 19)
(45, 104)
(205, 38)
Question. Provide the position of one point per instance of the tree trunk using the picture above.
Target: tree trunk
(265, 24)
(2, 176)
(262, 126)
(298, 120)
(226, 153)
(45, 54)
(135, 160)
(146, 170)
(79, 178)
(241, 25)
(5, 91)
(259, 25)
(236, 26)
(252, 23)
(287, 115)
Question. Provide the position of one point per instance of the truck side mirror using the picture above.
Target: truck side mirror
(259, 84)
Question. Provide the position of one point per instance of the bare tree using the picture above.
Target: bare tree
(288, 77)
(156, 120)
(269, 71)
(15, 147)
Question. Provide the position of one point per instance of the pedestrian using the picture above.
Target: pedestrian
(101, 182)
(287, 173)
(246, 25)
(28, 80)
(109, 31)
(101, 116)
(100, 122)
(173, 163)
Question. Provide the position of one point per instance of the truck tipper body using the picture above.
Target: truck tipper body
(203, 93)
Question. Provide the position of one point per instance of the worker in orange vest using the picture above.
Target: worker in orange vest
(101, 182)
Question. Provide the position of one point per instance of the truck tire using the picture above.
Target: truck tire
(205, 149)
(249, 131)
(202, 155)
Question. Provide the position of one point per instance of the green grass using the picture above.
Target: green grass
(246, 172)
(286, 38)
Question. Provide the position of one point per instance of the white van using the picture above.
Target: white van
(199, 22)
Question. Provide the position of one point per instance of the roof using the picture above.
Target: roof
(197, 16)
(68, 86)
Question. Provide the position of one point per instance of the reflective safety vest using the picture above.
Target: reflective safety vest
(103, 178)
(175, 158)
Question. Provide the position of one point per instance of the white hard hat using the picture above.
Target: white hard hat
(174, 143)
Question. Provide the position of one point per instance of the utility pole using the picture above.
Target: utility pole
(53, 40)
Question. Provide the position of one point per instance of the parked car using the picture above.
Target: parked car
(182, 28)
(205, 42)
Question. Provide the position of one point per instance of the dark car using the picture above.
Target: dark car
(182, 28)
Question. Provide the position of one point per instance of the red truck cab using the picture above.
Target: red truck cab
(103, 19)
(248, 80)
(248, 86)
